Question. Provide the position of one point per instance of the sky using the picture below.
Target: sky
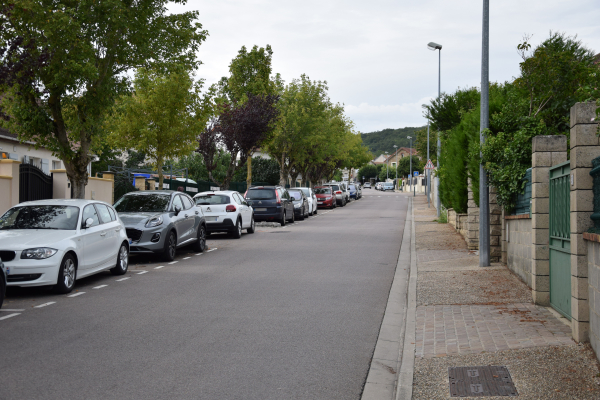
(373, 54)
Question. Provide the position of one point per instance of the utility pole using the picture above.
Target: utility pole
(484, 204)
(428, 172)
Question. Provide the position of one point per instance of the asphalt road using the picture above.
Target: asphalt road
(286, 313)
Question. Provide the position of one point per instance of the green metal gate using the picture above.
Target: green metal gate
(560, 239)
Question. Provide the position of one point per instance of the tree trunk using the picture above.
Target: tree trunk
(249, 176)
(77, 175)
(159, 167)
(283, 172)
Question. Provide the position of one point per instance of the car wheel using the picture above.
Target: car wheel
(66, 275)
(122, 261)
(315, 212)
(301, 214)
(170, 247)
(200, 244)
(252, 227)
(237, 232)
(283, 219)
(293, 217)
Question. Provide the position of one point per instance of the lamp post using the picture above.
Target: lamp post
(433, 47)
(396, 154)
(428, 171)
(410, 160)
(387, 167)
(484, 205)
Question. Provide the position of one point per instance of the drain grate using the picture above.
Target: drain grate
(480, 382)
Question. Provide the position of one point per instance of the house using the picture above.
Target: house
(25, 152)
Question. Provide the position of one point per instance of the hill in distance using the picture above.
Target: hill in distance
(381, 141)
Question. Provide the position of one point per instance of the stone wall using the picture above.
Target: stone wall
(593, 258)
(462, 224)
(495, 227)
(452, 217)
(518, 246)
(472, 221)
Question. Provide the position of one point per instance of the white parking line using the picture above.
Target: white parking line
(76, 294)
(208, 251)
(45, 304)
(142, 272)
(186, 258)
(159, 267)
(9, 316)
(122, 279)
(12, 309)
(199, 254)
(100, 287)
(173, 262)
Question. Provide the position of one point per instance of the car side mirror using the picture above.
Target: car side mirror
(292, 198)
(88, 223)
(177, 210)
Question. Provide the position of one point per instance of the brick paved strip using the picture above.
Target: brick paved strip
(464, 329)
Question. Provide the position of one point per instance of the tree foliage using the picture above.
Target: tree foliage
(381, 141)
(62, 65)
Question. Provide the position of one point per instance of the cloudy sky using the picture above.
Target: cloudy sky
(373, 53)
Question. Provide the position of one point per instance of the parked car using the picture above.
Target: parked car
(367, 185)
(325, 196)
(270, 203)
(225, 211)
(2, 283)
(378, 185)
(339, 193)
(387, 186)
(161, 221)
(359, 189)
(312, 199)
(353, 191)
(56, 242)
(344, 187)
(301, 206)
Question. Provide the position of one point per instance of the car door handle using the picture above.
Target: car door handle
(197, 213)
(186, 215)
(103, 234)
(117, 230)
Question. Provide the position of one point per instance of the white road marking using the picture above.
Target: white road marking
(199, 254)
(208, 251)
(142, 272)
(173, 262)
(122, 279)
(76, 294)
(12, 309)
(100, 287)
(186, 258)
(45, 304)
(9, 316)
(159, 267)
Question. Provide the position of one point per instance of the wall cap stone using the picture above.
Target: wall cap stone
(592, 237)
(549, 143)
(582, 113)
(518, 216)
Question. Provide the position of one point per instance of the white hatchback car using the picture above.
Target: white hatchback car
(226, 211)
(55, 242)
(312, 199)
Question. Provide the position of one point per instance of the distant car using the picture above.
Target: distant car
(387, 186)
(300, 201)
(359, 189)
(367, 185)
(161, 221)
(325, 196)
(270, 203)
(226, 211)
(2, 283)
(353, 191)
(312, 199)
(55, 242)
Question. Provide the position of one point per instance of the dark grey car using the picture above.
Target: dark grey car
(160, 221)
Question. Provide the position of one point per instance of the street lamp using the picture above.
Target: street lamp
(387, 167)
(433, 47)
(410, 160)
(484, 205)
(396, 153)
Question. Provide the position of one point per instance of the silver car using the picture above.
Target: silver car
(160, 221)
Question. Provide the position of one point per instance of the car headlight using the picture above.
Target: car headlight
(154, 221)
(297, 205)
(39, 253)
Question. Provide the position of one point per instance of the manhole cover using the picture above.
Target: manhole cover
(281, 232)
(480, 382)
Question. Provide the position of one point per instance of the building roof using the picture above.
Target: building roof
(5, 134)
(401, 150)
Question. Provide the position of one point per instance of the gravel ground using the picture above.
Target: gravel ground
(544, 373)
(487, 286)
(432, 235)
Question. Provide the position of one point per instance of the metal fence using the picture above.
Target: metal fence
(523, 200)
(34, 184)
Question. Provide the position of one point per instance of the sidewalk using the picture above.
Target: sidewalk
(468, 316)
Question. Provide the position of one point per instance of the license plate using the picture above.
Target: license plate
(211, 218)
(260, 209)
(320, 202)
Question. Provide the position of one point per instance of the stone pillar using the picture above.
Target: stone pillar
(140, 183)
(503, 249)
(585, 146)
(110, 175)
(472, 220)
(547, 151)
(495, 227)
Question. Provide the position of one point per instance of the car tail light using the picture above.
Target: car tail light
(230, 208)
(338, 192)
(278, 198)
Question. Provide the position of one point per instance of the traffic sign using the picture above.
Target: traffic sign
(429, 165)
(416, 173)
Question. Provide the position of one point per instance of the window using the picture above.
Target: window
(90, 212)
(56, 165)
(187, 203)
(177, 203)
(238, 199)
(143, 203)
(208, 199)
(104, 213)
(261, 194)
(41, 217)
(113, 215)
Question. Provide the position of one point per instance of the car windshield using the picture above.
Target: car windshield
(335, 187)
(143, 203)
(352, 187)
(295, 194)
(306, 192)
(261, 194)
(210, 199)
(322, 191)
(41, 217)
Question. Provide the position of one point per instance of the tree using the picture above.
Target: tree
(62, 64)
(238, 129)
(421, 143)
(158, 118)
(368, 171)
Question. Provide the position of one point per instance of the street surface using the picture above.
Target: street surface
(286, 313)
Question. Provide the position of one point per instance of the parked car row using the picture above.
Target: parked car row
(56, 242)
